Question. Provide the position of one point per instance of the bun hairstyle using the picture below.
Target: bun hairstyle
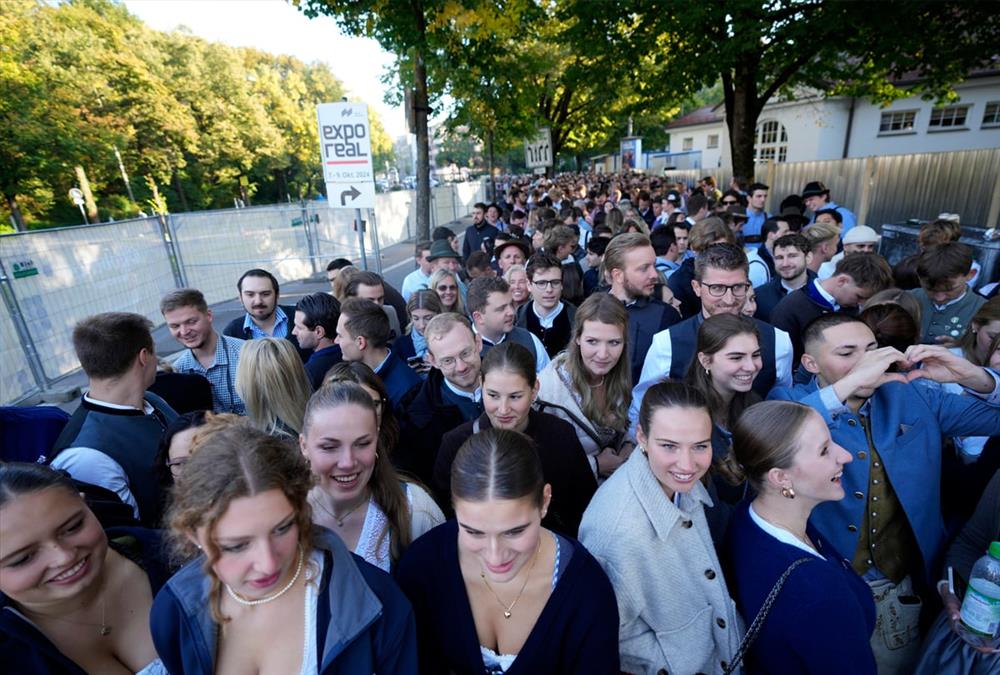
(669, 394)
(497, 464)
(765, 437)
(236, 461)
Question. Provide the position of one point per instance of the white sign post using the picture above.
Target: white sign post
(346, 152)
(538, 150)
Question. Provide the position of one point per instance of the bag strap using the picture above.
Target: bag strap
(542, 405)
(758, 621)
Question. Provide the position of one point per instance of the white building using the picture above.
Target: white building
(818, 128)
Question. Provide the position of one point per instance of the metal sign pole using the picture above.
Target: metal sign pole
(22, 330)
(359, 226)
(376, 246)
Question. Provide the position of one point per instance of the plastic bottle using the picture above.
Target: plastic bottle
(981, 606)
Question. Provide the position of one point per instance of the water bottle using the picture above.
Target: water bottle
(981, 606)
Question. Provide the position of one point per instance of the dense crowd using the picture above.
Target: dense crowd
(620, 424)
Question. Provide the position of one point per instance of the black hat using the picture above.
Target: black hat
(442, 249)
(501, 244)
(815, 189)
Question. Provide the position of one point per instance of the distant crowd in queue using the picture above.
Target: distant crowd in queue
(621, 425)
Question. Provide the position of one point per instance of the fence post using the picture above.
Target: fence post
(867, 179)
(23, 334)
(993, 219)
(310, 244)
(454, 202)
(168, 234)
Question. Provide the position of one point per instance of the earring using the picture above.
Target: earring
(708, 372)
(641, 449)
(376, 455)
(788, 493)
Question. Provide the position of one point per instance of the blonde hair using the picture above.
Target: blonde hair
(707, 231)
(436, 279)
(273, 384)
(342, 281)
(820, 232)
(441, 325)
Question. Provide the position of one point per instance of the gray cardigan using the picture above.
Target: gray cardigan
(674, 606)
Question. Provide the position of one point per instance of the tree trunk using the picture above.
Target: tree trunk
(423, 149)
(15, 212)
(179, 189)
(742, 111)
(493, 182)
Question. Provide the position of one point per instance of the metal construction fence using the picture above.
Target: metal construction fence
(887, 189)
(50, 279)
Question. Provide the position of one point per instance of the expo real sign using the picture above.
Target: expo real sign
(538, 150)
(346, 152)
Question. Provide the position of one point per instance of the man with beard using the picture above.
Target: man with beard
(721, 282)
(792, 256)
(478, 233)
(630, 268)
(264, 317)
(215, 357)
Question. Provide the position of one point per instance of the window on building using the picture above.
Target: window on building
(713, 141)
(772, 142)
(950, 117)
(897, 122)
(687, 144)
(991, 115)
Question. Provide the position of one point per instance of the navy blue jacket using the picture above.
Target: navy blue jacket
(398, 379)
(680, 283)
(823, 618)
(646, 318)
(24, 649)
(320, 362)
(771, 293)
(576, 633)
(363, 623)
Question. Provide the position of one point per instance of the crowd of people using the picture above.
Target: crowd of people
(618, 425)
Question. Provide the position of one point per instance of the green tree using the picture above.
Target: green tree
(762, 49)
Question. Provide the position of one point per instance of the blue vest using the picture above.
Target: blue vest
(132, 439)
(684, 348)
(519, 335)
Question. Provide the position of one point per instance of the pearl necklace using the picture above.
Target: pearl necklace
(253, 603)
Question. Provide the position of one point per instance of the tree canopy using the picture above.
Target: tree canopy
(83, 78)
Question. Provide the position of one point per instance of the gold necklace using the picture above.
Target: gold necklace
(103, 629)
(341, 519)
(508, 609)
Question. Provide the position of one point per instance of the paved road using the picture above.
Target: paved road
(397, 262)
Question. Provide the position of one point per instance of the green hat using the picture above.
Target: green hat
(442, 249)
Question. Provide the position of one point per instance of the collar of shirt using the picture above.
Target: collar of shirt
(781, 534)
(669, 264)
(503, 337)
(474, 396)
(280, 321)
(950, 302)
(147, 407)
(826, 296)
(378, 368)
(547, 321)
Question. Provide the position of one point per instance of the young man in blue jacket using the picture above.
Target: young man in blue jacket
(890, 522)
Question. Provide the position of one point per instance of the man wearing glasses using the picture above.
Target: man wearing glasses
(547, 317)
(721, 283)
(450, 395)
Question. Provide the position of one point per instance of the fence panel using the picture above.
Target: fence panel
(215, 247)
(844, 177)
(82, 271)
(16, 380)
(922, 186)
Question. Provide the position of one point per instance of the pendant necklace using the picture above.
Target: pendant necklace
(507, 609)
(340, 519)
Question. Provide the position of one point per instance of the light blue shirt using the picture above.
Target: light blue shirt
(221, 374)
(414, 281)
(280, 325)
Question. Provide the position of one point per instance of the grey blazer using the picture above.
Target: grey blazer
(674, 606)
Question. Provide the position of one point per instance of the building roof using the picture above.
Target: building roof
(704, 115)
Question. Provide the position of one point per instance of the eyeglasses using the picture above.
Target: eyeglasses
(730, 202)
(547, 283)
(177, 465)
(719, 290)
(448, 362)
(441, 289)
